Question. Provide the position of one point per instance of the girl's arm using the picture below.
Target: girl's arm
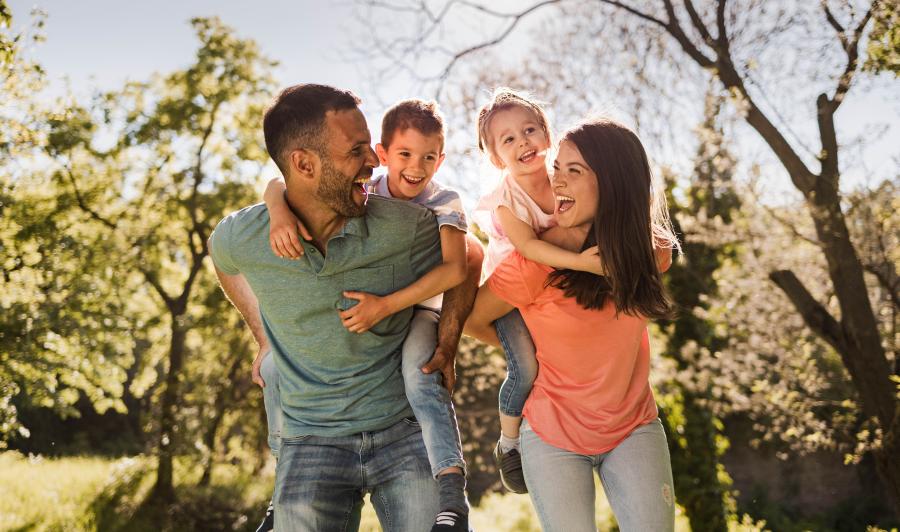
(372, 308)
(488, 307)
(531, 247)
(283, 225)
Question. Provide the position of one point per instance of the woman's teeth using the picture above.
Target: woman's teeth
(564, 202)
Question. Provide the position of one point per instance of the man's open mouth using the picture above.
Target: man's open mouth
(564, 203)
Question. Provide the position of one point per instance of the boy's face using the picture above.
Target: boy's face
(411, 159)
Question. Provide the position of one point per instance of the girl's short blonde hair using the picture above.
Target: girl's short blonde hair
(504, 98)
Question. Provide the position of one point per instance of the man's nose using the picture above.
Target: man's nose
(371, 158)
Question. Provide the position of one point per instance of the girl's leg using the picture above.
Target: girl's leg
(637, 478)
(272, 402)
(521, 371)
(562, 485)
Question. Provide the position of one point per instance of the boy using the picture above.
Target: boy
(412, 141)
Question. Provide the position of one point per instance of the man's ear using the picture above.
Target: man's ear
(304, 163)
(381, 151)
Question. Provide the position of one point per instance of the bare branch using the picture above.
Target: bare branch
(887, 278)
(835, 24)
(722, 38)
(792, 228)
(852, 49)
(814, 314)
(637, 13)
(82, 204)
(698, 22)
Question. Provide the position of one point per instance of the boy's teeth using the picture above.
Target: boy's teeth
(412, 179)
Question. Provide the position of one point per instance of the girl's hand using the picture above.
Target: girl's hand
(283, 230)
(370, 310)
(590, 261)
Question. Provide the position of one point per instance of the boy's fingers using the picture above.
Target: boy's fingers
(303, 232)
(359, 296)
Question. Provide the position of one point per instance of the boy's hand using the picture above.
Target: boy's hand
(283, 230)
(366, 314)
(257, 363)
(590, 261)
(444, 360)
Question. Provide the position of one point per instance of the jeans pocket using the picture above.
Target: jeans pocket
(294, 440)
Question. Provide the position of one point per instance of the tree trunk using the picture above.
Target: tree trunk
(164, 490)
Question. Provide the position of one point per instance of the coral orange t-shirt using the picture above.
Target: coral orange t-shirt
(592, 387)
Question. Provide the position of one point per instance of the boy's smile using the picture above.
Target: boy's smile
(412, 160)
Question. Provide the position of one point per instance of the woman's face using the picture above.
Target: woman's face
(575, 186)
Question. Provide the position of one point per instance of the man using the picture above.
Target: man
(347, 426)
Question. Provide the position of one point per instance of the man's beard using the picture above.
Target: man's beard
(336, 191)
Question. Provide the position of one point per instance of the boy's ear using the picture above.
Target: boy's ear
(381, 151)
(440, 160)
(305, 163)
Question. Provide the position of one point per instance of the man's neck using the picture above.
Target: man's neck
(320, 220)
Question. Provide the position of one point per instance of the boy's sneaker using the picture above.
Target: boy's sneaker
(450, 521)
(510, 466)
(268, 522)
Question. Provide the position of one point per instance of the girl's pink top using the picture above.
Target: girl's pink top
(512, 196)
(593, 385)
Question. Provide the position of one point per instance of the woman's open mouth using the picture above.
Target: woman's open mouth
(564, 203)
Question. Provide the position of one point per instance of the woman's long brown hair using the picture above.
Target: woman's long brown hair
(630, 221)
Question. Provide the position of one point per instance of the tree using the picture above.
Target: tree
(187, 149)
(813, 50)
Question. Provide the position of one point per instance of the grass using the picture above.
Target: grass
(88, 494)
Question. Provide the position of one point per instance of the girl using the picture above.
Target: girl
(514, 132)
(592, 407)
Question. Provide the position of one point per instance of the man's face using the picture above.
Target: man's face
(347, 164)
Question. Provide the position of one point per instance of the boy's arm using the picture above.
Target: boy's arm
(238, 291)
(451, 272)
(283, 225)
(454, 312)
(531, 247)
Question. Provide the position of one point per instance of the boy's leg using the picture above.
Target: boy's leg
(637, 478)
(434, 412)
(562, 485)
(402, 488)
(522, 368)
(318, 485)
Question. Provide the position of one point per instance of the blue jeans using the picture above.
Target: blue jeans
(272, 402)
(320, 481)
(636, 476)
(521, 362)
(429, 400)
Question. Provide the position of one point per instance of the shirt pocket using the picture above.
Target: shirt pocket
(378, 280)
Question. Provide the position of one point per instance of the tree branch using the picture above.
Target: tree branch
(698, 22)
(82, 204)
(887, 278)
(814, 314)
(722, 38)
(835, 24)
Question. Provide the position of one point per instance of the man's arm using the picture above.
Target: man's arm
(238, 291)
(455, 309)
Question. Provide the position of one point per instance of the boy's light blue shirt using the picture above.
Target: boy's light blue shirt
(444, 202)
(334, 382)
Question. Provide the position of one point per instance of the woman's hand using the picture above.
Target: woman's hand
(370, 310)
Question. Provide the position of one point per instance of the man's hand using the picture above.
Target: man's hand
(370, 310)
(257, 363)
(444, 360)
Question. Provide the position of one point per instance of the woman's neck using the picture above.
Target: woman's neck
(568, 238)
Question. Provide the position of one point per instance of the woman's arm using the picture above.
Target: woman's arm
(488, 307)
(372, 308)
(531, 247)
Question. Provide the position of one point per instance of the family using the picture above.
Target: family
(358, 288)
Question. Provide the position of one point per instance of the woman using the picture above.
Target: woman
(591, 407)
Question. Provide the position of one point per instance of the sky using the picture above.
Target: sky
(98, 44)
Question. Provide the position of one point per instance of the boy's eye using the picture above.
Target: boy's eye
(404, 154)
(430, 157)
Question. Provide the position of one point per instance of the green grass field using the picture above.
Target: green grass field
(90, 494)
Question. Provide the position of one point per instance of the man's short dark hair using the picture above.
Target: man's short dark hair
(420, 115)
(297, 119)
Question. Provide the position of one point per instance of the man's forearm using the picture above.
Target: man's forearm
(238, 291)
(458, 301)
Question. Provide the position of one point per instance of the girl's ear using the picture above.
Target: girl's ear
(496, 161)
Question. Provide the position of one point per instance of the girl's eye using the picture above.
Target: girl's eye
(507, 139)
(530, 130)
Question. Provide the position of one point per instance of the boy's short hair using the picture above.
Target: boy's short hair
(417, 114)
(296, 120)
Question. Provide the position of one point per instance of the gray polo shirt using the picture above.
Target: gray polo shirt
(334, 382)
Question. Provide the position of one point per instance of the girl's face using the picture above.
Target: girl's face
(518, 140)
(575, 186)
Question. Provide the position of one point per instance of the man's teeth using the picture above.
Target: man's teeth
(361, 180)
